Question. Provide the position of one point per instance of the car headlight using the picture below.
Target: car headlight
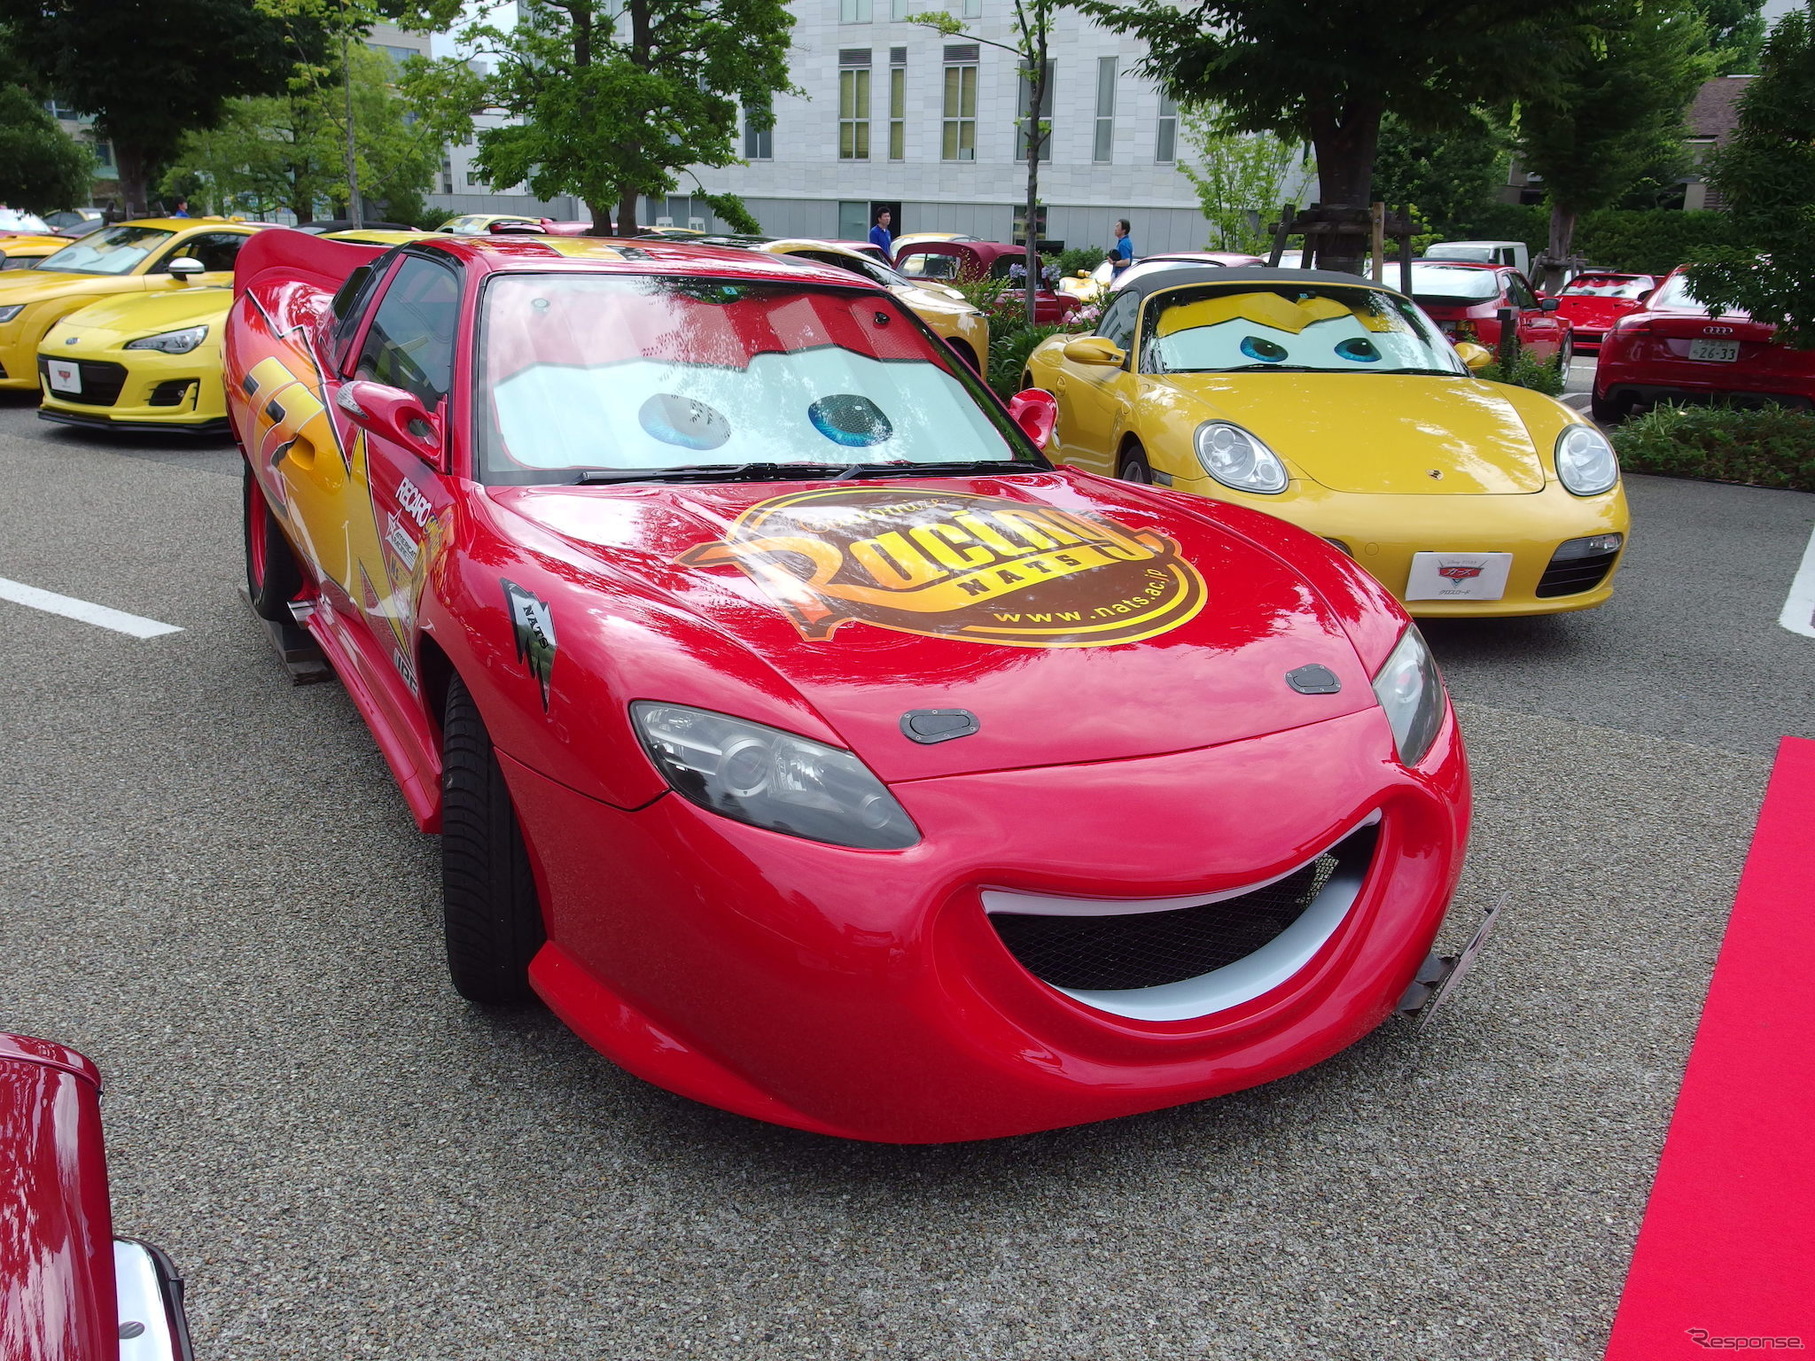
(1237, 459)
(8, 313)
(1585, 461)
(170, 342)
(1410, 690)
(770, 778)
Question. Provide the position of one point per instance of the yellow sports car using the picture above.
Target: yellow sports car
(129, 258)
(139, 361)
(1336, 404)
(943, 309)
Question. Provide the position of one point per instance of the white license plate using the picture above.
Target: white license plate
(1721, 351)
(64, 375)
(1458, 576)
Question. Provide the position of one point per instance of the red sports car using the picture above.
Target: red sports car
(1466, 300)
(969, 261)
(70, 1290)
(1592, 302)
(811, 744)
(1673, 350)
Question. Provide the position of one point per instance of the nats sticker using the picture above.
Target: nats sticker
(954, 565)
(533, 627)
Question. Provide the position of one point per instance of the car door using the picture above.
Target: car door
(1095, 399)
(395, 495)
(1540, 332)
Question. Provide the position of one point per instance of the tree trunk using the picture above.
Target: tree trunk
(601, 217)
(130, 164)
(640, 44)
(1345, 140)
(627, 212)
(1036, 139)
(1562, 241)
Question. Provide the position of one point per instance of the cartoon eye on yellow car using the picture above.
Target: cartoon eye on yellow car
(1337, 405)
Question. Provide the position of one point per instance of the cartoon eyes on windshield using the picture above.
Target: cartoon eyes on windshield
(1358, 348)
(846, 418)
(1259, 347)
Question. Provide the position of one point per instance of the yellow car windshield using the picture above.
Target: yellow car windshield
(118, 250)
(1291, 328)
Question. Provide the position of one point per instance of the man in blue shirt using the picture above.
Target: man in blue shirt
(1121, 254)
(879, 234)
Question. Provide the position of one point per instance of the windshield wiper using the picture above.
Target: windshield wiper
(713, 472)
(978, 467)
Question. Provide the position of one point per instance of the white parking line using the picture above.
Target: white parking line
(100, 616)
(1799, 610)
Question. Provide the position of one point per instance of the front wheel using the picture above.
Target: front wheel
(272, 575)
(1566, 353)
(490, 910)
(1605, 409)
(1134, 466)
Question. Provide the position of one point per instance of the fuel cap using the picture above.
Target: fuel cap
(928, 726)
(1313, 680)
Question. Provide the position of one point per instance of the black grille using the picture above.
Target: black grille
(1147, 949)
(1572, 576)
(101, 382)
(172, 393)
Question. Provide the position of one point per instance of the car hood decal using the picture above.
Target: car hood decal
(1381, 432)
(1131, 626)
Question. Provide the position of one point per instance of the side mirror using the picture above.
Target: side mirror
(1473, 356)
(1094, 350)
(1547, 304)
(1646, 295)
(184, 268)
(395, 415)
(1036, 412)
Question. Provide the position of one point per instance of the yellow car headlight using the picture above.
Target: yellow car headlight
(1586, 463)
(171, 342)
(1238, 459)
(8, 313)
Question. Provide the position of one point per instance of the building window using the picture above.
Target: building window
(759, 143)
(973, 9)
(104, 155)
(897, 103)
(959, 142)
(854, 104)
(898, 10)
(473, 181)
(853, 11)
(1104, 147)
(66, 112)
(1026, 127)
(1165, 146)
(447, 172)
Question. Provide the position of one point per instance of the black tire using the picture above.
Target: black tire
(966, 353)
(1565, 353)
(1606, 410)
(1133, 466)
(492, 916)
(272, 575)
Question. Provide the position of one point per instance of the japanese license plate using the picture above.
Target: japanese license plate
(1458, 576)
(1721, 351)
(65, 375)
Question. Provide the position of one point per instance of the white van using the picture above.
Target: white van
(1514, 253)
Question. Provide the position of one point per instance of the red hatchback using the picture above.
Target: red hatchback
(1592, 302)
(1465, 300)
(1672, 350)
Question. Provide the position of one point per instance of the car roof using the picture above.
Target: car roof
(1165, 279)
(522, 254)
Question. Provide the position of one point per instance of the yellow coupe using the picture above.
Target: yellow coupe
(944, 310)
(129, 258)
(1339, 406)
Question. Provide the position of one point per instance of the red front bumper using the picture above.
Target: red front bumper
(865, 994)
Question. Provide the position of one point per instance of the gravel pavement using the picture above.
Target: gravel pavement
(209, 884)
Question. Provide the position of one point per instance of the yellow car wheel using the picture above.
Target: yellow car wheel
(1133, 465)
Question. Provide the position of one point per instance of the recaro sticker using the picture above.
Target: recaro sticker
(957, 565)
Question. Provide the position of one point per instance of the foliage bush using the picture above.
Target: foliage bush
(1008, 351)
(1526, 372)
(1085, 258)
(1645, 241)
(1770, 446)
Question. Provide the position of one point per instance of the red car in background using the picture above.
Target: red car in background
(969, 261)
(1673, 350)
(1593, 301)
(1465, 300)
(70, 1290)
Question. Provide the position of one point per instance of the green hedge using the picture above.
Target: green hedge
(1771, 446)
(1653, 241)
(1526, 372)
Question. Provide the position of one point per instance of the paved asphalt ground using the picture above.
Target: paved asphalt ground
(209, 884)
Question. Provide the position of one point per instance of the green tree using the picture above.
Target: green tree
(148, 75)
(1236, 175)
(614, 97)
(1617, 115)
(1446, 176)
(42, 168)
(1326, 72)
(1736, 34)
(1767, 175)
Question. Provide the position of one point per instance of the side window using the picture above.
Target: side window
(216, 251)
(826, 257)
(1519, 293)
(410, 344)
(1117, 322)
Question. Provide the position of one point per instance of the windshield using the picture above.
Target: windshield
(12, 220)
(1606, 286)
(1328, 329)
(118, 250)
(1446, 281)
(1487, 255)
(642, 372)
(1675, 293)
(929, 267)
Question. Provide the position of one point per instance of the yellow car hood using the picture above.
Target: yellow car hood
(36, 285)
(116, 320)
(1378, 432)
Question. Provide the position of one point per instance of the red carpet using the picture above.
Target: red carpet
(1726, 1254)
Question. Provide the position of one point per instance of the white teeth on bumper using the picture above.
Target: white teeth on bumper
(1126, 956)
